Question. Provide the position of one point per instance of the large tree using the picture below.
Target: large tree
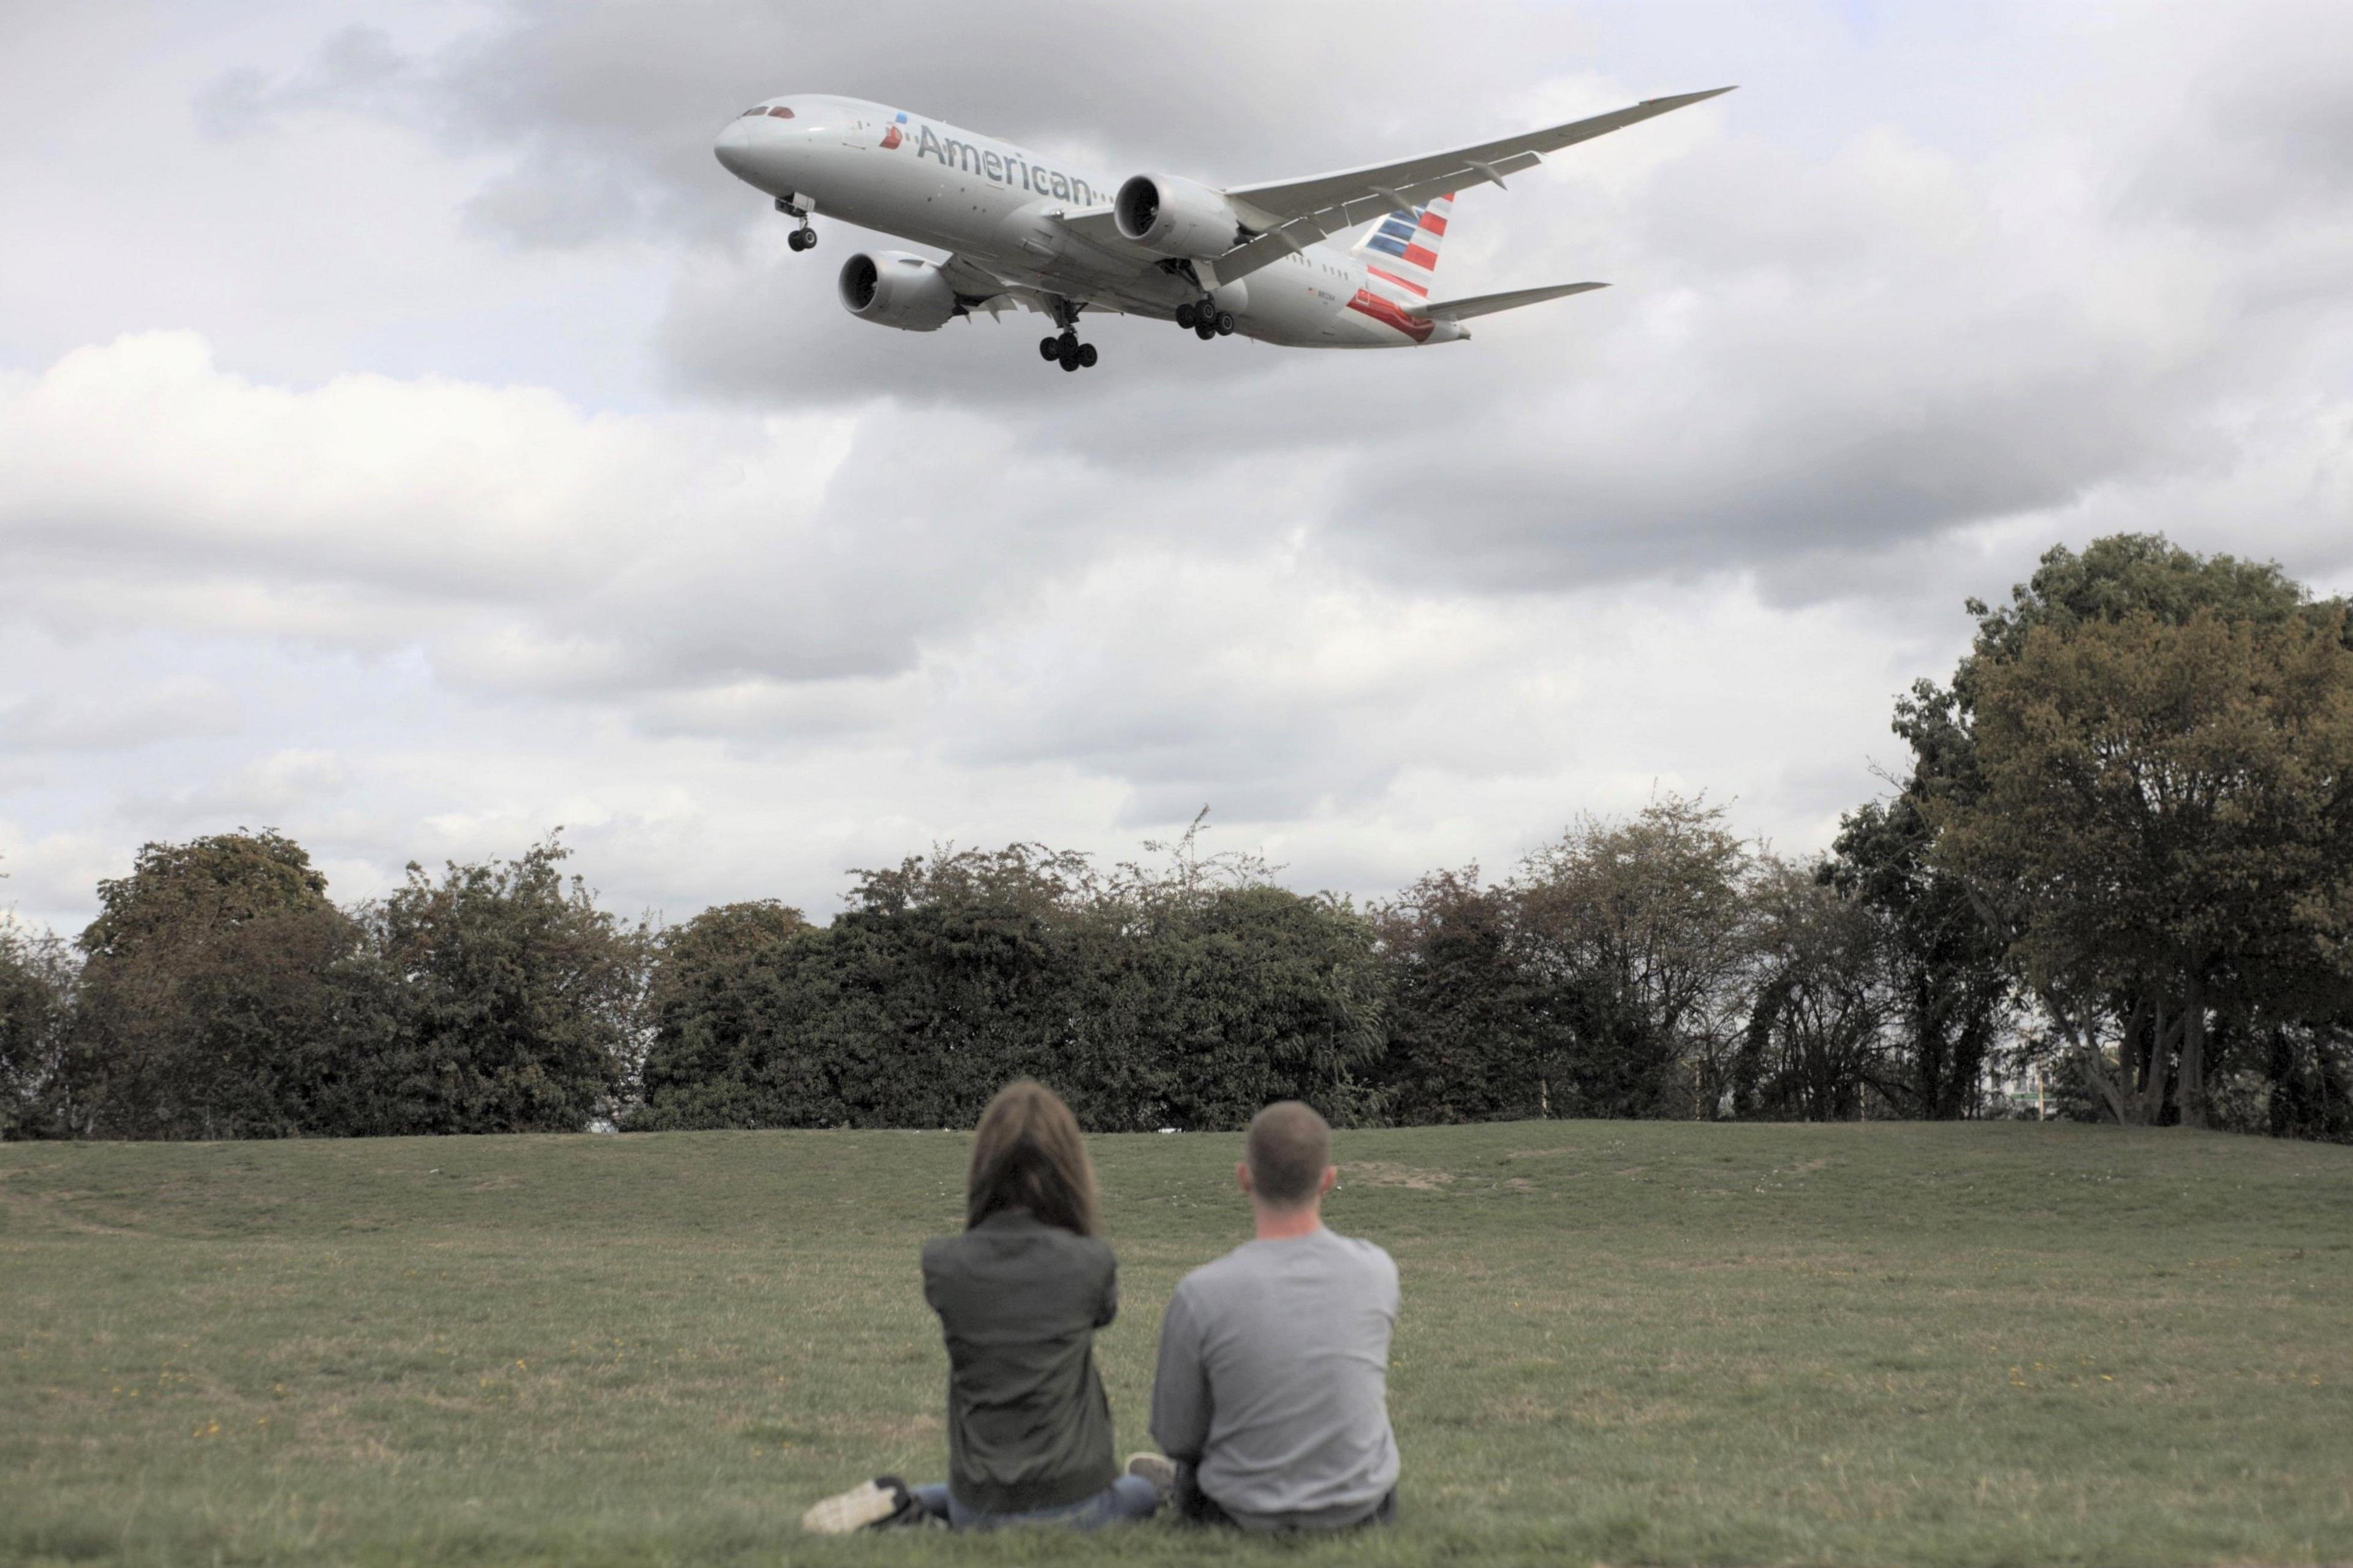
(2166, 813)
(945, 974)
(1950, 983)
(209, 997)
(706, 974)
(1817, 1046)
(1466, 1025)
(1259, 994)
(521, 1001)
(1960, 929)
(1643, 933)
(38, 977)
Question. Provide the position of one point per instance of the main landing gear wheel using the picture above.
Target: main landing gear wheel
(1068, 351)
(1203, 319)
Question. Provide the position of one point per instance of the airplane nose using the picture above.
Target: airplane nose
(734, 148)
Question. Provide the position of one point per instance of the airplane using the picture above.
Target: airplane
(1025, 231)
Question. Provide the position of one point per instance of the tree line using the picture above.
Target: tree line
(2120, 860)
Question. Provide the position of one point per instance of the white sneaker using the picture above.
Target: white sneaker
(1157, 1468)
(869, 1503)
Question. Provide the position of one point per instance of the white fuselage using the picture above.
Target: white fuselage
(994, 204)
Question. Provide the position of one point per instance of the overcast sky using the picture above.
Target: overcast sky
(410, 438)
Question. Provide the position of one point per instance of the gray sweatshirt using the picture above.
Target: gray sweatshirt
(1273, 1380)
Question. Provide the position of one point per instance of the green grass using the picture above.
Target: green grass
(1622, 1342)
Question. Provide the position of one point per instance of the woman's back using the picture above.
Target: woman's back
(1019, 1301)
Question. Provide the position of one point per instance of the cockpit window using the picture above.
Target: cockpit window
(755, 108)
(781, 112)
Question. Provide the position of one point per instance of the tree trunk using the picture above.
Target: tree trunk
(2134, 1049)
(2164, 1037)
(2278, 1069)
(2193, 1047)
(2115, 1091)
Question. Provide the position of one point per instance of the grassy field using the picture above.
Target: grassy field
(1621, 1342)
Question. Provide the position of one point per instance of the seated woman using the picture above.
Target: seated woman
(1020, 1295)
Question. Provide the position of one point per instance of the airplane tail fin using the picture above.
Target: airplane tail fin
(1400, 253)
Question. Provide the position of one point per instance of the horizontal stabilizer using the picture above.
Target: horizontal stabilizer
(1488, 304)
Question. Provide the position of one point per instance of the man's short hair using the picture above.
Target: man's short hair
(1287, 1148)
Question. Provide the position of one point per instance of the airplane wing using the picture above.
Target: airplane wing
(1488, 304)
(1097, 224)
(980, 290)
(1295, 214)
(970, 279)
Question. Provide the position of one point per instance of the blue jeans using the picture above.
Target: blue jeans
(1126, 1501)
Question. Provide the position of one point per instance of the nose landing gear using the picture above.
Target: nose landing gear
(803, 238)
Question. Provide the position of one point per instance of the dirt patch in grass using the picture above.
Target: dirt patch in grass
(879, 1429)
(333, 1435)
(50, 1211)
(1389, 1174)
(1522, 1410)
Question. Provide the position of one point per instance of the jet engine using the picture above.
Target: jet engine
(893, 288)
(1175, 217)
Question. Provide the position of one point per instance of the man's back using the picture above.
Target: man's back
(1273, 1380)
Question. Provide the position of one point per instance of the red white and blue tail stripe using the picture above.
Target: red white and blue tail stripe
(1399, 255)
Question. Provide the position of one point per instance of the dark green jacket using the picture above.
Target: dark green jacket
(1019, 1302)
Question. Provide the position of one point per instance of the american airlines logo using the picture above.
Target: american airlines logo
(1002, 168)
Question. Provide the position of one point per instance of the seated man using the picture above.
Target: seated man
(1271, 1396)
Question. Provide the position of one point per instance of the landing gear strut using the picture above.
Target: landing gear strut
(803, 238)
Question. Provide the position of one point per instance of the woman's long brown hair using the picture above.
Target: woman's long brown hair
(1026, 1155)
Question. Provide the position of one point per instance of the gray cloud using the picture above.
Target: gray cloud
(526, 479)
(153, 714)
